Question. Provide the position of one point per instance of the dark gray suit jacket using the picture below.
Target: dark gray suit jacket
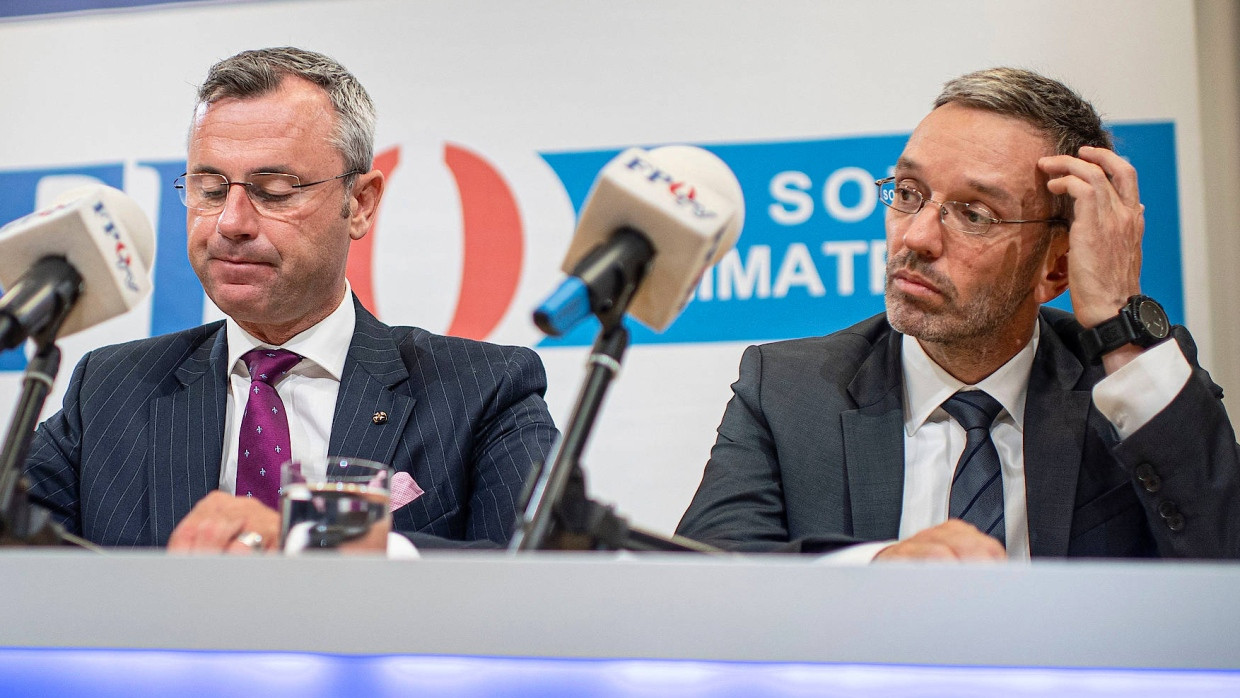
(138, 441)
(810, 455)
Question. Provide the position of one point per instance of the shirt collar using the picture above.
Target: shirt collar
(927, 385)
(326, 343)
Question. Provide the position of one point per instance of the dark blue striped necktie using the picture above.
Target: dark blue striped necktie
(977, 487)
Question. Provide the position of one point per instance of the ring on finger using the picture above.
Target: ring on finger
(251, 539)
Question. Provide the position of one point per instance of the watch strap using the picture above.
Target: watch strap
(1107, 336)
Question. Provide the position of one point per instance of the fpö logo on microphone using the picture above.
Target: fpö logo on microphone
(123, 255)
(99, 220)
(683, 193)
(810, 260)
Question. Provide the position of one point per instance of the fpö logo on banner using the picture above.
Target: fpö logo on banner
(810, 260)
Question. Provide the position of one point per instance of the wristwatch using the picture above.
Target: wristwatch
(1142, 321)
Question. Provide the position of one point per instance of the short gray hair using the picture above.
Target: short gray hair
(1052, 107)
(259, 72)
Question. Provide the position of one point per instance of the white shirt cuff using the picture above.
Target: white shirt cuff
(1133, 395)
(400, 547)
(859, 554)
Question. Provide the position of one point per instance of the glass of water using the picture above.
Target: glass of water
(338, 503)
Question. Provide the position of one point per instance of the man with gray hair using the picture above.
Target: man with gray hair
(160, 442)
(968, 421)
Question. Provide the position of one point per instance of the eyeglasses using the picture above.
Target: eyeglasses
(271, 192)
(972, 219)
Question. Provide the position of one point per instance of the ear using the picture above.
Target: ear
(364, 203)
(1053, 275)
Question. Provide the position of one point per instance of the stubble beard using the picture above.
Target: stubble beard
(954, 322)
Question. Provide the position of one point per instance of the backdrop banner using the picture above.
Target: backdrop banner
(495, 117)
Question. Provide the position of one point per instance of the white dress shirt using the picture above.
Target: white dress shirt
(308, 392)
(933, 441)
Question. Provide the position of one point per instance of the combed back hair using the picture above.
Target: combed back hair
(1068, 121)
(259, 72)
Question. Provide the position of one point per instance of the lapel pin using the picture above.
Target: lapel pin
(379, 418)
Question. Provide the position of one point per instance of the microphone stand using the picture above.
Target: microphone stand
(558, 514)
(22, 522)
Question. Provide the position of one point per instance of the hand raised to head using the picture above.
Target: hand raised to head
(1108, 222)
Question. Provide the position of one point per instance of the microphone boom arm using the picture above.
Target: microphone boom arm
(557, 513)
(21, 522)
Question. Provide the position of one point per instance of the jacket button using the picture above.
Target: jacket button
(1167, 509)
(1175, 522)
(1144, 472)
(1152, 484)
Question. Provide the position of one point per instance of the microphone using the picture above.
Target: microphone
(93, 244)
(651, 225)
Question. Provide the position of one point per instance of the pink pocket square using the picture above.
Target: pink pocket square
(404, 490)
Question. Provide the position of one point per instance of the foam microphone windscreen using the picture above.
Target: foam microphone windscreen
(104, 235)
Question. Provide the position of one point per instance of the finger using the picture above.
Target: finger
(1094, 174)
(1113, 179)
(983, 547)
(208, 534)
(1055, 165)
(1088, 204)
(209, 526)
(967, 542)
(1122, 174)
(265, 521)
(248, 543)
(218, 528)
(187, 534)
(912, 549)
(1068, 184)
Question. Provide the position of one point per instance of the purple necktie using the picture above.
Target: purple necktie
(264, 441)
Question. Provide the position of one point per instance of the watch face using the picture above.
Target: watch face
(1154, 319)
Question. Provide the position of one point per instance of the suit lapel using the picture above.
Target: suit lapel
(372, 371)
(1055, 426)
(874, 443)
(187, 432)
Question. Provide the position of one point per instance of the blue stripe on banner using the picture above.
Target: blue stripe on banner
(811, 257)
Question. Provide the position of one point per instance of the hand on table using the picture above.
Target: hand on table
(951, 540)
(222, 523)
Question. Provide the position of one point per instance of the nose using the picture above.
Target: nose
(923, 231)
(238, 219)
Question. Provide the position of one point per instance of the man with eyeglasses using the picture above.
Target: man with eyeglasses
(967, 421)
(160, 441)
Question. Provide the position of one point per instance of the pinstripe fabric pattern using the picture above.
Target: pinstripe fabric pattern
(139, 438)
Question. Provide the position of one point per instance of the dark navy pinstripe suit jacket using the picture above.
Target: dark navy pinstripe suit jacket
(138, 441)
